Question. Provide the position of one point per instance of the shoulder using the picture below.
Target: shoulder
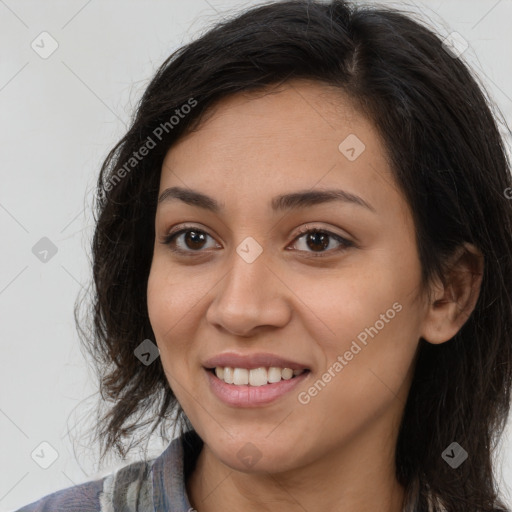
(129, 485)
(83, 498)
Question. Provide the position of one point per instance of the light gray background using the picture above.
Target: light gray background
(59, 118)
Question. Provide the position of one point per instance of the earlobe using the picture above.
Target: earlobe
(455, 298)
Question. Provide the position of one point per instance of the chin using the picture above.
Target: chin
(250, 454)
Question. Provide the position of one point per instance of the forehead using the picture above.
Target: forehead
(301, 135)
(298, 107)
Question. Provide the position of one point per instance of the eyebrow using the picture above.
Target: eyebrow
(295, 200)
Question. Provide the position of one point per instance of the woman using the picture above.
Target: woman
(303, 260)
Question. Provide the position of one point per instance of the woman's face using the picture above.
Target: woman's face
(250, 288)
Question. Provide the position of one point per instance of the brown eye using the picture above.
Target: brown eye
(316, 241)
(194, 239)
(186, 240)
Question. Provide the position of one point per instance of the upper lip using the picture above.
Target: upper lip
(249, 361)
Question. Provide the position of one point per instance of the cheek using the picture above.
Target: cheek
(370, 320)
(351, 301)
(375, 330)
(170, 303)
(362, 381)
(171, 296)
(368, 364)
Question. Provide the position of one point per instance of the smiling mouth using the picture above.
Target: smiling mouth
(254, 376)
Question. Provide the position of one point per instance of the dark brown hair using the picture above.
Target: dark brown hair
(448, 159)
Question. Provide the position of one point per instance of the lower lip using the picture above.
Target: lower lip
(252, 396)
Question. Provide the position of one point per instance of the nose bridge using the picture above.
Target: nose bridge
(247, 294)
(243, 286)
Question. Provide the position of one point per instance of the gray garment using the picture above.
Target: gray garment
(155, 485)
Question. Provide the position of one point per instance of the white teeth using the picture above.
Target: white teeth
(274, 374)
(228, 375)
(287, 373)
(254, 376)
(258, 377)
(240, 376)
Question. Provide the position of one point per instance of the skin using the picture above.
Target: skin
(337, 451)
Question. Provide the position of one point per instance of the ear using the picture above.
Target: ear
(455, 296)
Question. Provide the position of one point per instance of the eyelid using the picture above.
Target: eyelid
(307, 228)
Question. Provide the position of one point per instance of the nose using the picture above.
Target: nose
(249, 297)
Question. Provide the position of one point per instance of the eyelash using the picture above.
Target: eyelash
(169, 239)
